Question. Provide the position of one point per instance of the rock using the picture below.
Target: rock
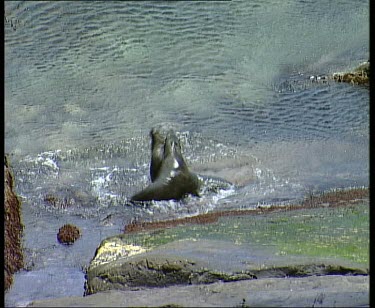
(13, 254)
(200, 262)
(360, 75)
(68, 234)
(311, 255)
(67, 197)
(335, 198)
(233, 248)
(154, 271)
(312, 291)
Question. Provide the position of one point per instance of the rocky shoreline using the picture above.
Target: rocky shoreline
(314, 253)
(311, 254)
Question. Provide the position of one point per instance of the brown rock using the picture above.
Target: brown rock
(360, 76)
(68, 234)
(13, 256)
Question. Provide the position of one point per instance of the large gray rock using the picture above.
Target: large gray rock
(312, 291)
(156, 269)
(282, 244)
(187, 262)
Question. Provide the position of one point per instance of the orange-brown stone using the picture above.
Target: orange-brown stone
(68, 234)
(13, 255)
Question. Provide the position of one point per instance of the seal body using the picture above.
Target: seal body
(170, 176)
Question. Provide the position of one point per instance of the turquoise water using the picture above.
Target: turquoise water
(86, 81)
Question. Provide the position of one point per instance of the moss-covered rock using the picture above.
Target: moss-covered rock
(329, 240)
(153, 270)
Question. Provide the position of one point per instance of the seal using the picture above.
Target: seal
(170, 175)
(157, 153)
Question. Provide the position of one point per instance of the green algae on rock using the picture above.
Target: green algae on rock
(329, 240)
(334, 224)
(332, 198)
(154, 270)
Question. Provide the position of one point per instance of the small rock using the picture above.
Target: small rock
(68, 234)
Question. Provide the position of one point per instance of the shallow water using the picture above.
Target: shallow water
(85, 82)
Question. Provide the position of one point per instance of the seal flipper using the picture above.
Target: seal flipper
(157, 153)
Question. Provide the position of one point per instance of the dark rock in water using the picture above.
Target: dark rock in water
(68, 234)
(67, 197)
(13, 255)
(55, 202)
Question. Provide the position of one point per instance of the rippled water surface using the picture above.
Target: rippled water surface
(86, 81)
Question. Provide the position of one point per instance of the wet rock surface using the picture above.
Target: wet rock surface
(189, 262)
(192, 261)
(312, 291)
(155, 271)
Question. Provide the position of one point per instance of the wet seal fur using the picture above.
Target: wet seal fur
(170, 176)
